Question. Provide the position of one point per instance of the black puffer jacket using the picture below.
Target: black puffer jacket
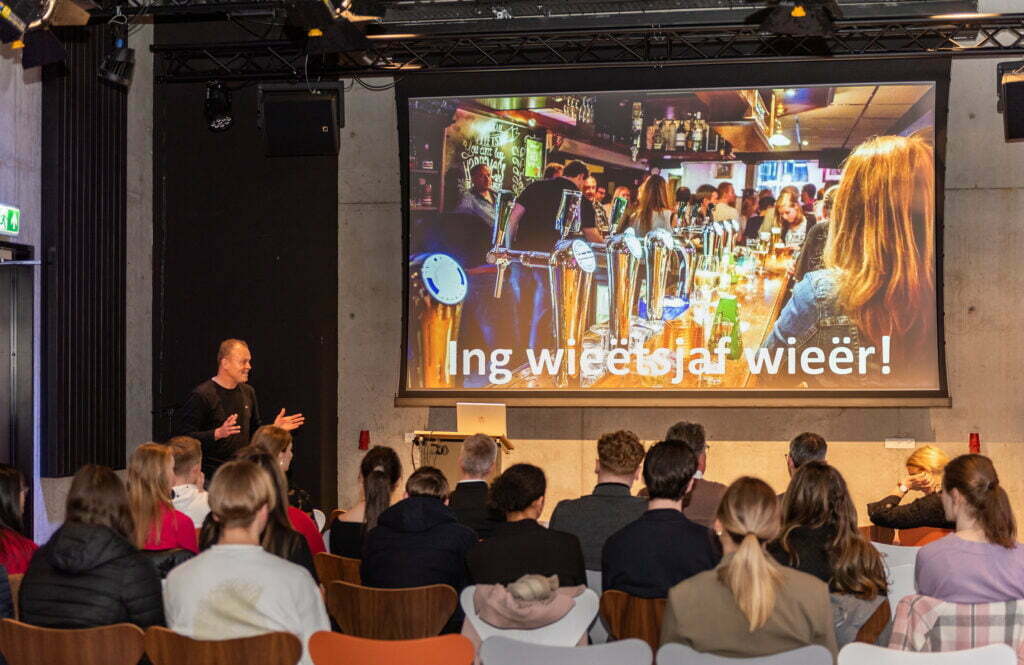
(90, 576)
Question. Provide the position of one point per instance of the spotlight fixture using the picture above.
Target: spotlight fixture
(218, 107)
(797, 18)
(119, 64)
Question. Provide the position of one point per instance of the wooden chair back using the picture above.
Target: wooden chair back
(15, 583)
(337, 649)
(390, 614)
(878, 534)
(165, 647)
(22, 644)
(629, 616)
(875, 624)
(335, 514)
(333, 568)
(921, 536)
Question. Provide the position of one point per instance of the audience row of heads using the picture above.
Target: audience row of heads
(250, 488)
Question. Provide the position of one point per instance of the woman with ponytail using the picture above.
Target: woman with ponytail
(749, 605)
(379, 474)
(981, 562)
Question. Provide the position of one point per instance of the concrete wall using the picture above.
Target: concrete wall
(20, 183)
(20, 154)
(985, 185)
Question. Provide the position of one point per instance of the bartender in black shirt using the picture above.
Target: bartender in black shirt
(532, 228)
(222, 412)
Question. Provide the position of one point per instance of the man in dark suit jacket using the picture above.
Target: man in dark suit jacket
(469, 500)
(521, 546)
(661, 549)
(701, 503)
(595, 517)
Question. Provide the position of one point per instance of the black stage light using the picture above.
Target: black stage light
(218, 106)
(797, 18)
(41, 48)
(118, 66)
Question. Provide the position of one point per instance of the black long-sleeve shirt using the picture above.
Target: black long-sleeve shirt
(206, 408)
(926, 511)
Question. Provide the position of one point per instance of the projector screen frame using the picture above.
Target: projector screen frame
(790, 74)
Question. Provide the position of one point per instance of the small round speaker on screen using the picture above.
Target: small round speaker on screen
(297, 121)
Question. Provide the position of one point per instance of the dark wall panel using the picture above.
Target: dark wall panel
(83, 210)
(245, 246)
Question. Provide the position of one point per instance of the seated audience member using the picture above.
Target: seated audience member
(749, 605)
(90, 573)
(279, 538)
(924, 473)
(593, 518)
(236, 588)
(820, 537)
(521, 546)
(6, 599)
(469, 500)
(278, 442)
(379, 474)
(805, 447)
(158, 526)
(982, 562)
(189, 496)
(418, 541)
(15, 549)
(662, 548)
(551, 614)
(702, 502)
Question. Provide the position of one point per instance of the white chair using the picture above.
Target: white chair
(900, 563)
(680, 654)
(504, 651)
(566, 632)
(859, 653)
(598, 632)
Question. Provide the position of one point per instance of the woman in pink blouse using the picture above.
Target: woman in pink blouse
(158, 526)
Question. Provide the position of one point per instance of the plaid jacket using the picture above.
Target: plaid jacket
(930, 624)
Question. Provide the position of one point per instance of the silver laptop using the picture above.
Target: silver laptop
(478, 418)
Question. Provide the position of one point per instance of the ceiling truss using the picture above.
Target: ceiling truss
(654, 46)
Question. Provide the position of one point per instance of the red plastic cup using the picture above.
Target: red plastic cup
(975, 444)
(364, 439)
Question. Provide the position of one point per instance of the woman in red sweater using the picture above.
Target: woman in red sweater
(278, 442)
(158, 526)
(15, 549)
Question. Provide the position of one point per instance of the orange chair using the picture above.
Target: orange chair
(166, 647)
(336, 649)
(334, 568)
(390, 614)
(22, 644)
(629, 616)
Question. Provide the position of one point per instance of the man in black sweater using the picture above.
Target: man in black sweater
(661, 549)
(222, 412)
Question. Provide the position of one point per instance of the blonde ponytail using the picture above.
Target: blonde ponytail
(749, 513)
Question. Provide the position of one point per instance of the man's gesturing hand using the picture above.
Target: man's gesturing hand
(229, 428)
(289, 423)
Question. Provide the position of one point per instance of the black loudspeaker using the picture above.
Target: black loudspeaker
(1013, 105)
(301, 119)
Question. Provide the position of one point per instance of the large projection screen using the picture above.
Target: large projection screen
(653, 239)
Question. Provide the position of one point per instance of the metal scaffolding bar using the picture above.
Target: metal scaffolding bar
(988, 36)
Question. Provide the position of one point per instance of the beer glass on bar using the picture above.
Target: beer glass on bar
(437, 289)
(570, 272)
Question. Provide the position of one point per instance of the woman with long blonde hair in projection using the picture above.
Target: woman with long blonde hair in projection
(877, 289)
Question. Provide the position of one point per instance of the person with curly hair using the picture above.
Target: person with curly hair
(521, 546)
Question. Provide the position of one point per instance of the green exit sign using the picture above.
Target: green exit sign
(10, 220)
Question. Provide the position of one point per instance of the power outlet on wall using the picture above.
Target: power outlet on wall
(900, 443)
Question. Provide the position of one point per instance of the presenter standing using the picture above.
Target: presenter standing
(222, 412)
